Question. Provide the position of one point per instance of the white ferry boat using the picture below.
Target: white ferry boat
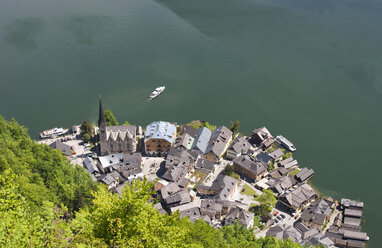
(286, 143)
(57, 131)
(156, 92)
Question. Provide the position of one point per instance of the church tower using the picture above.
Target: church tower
(102, 129)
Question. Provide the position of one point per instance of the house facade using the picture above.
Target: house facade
(159, 137)
(249, 168)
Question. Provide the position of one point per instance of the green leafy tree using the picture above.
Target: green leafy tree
(110, 118)
(287, 155)
(234, 127)
(126, 123)
(267, 202)
(86, 131)
(42, 173)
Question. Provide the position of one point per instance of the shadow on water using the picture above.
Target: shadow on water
(22, 33)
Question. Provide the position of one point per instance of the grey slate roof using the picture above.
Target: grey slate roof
(175, 173)
(299, 196)
(107, 179)
(184, 140)
(160, 130)
(210, 206)
(192, 213)
(202, 139)
(190, 130)
(204, 165)
(353, 213)
(240, 215)
(249, 163)
(132, 159)
(219, 139)
(66, 149)
(224, 185)
(90, 165)
(110, 160)
(260, 135)
(301, 227)
(276, 154)
(355, 235)
(170, 189)
(121, 132)
(304, 174)
(284, 183)
(284, 231)
(240, 145)
(264, 157)
(179, 198)
(317, 212)
(287, 163)
(347, 203)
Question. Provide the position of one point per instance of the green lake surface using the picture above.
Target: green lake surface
(308, 69)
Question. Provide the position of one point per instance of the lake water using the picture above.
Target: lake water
(310, 70)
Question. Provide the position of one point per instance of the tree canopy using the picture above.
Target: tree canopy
(110, 118)
(86, 131)
(234, 127)
(47, 202)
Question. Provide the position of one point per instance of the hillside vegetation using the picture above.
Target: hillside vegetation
(47, 202)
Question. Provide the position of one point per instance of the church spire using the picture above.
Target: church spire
(101, 117)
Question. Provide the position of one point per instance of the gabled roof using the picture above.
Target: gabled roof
(202, 139)
(353, 212)
(240, 145)
(276, 154)
(122, 133)
(347, 203)
(240, 215)
(66, 149)
(90, 165)
(110, 160)
(190, 130)
(132, 159)
(304, 174)
(284, 231)
(179, 198)
(170, 189)
(160, 130)
(250, 164)
(219, 139)
(224, 185)
(107, 179)
(261, 134)
(185, 141)
(264, 157)
(175, 173)
(299, 195)
(204, 165)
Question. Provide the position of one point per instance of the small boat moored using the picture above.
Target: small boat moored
(54, 132)
(285, 142)
(157, 92)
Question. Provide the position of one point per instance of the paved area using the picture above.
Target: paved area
(151, 166)
(331, 220)
(81, 151)
(218, 169)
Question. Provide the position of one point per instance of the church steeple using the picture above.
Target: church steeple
(101, 117)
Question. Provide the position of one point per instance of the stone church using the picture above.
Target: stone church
(115, 139)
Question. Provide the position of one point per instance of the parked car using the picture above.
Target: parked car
(283, 216)
(279, 218)
(277, 221)
(276, 213)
